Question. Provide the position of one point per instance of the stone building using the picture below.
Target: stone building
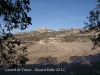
(43, 29)
(75, 30)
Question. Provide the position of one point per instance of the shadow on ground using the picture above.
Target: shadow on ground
(87, 65)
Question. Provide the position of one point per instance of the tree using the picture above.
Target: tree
(14, 15)
(94, 25)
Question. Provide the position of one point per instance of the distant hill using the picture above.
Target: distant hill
(62, 35)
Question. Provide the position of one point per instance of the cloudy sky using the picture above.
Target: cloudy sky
(56, 14)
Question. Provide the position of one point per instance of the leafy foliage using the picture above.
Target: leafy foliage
(94, 25)
(9, 53)
(14, 15)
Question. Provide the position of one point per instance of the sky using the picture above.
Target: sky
(57, 14)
